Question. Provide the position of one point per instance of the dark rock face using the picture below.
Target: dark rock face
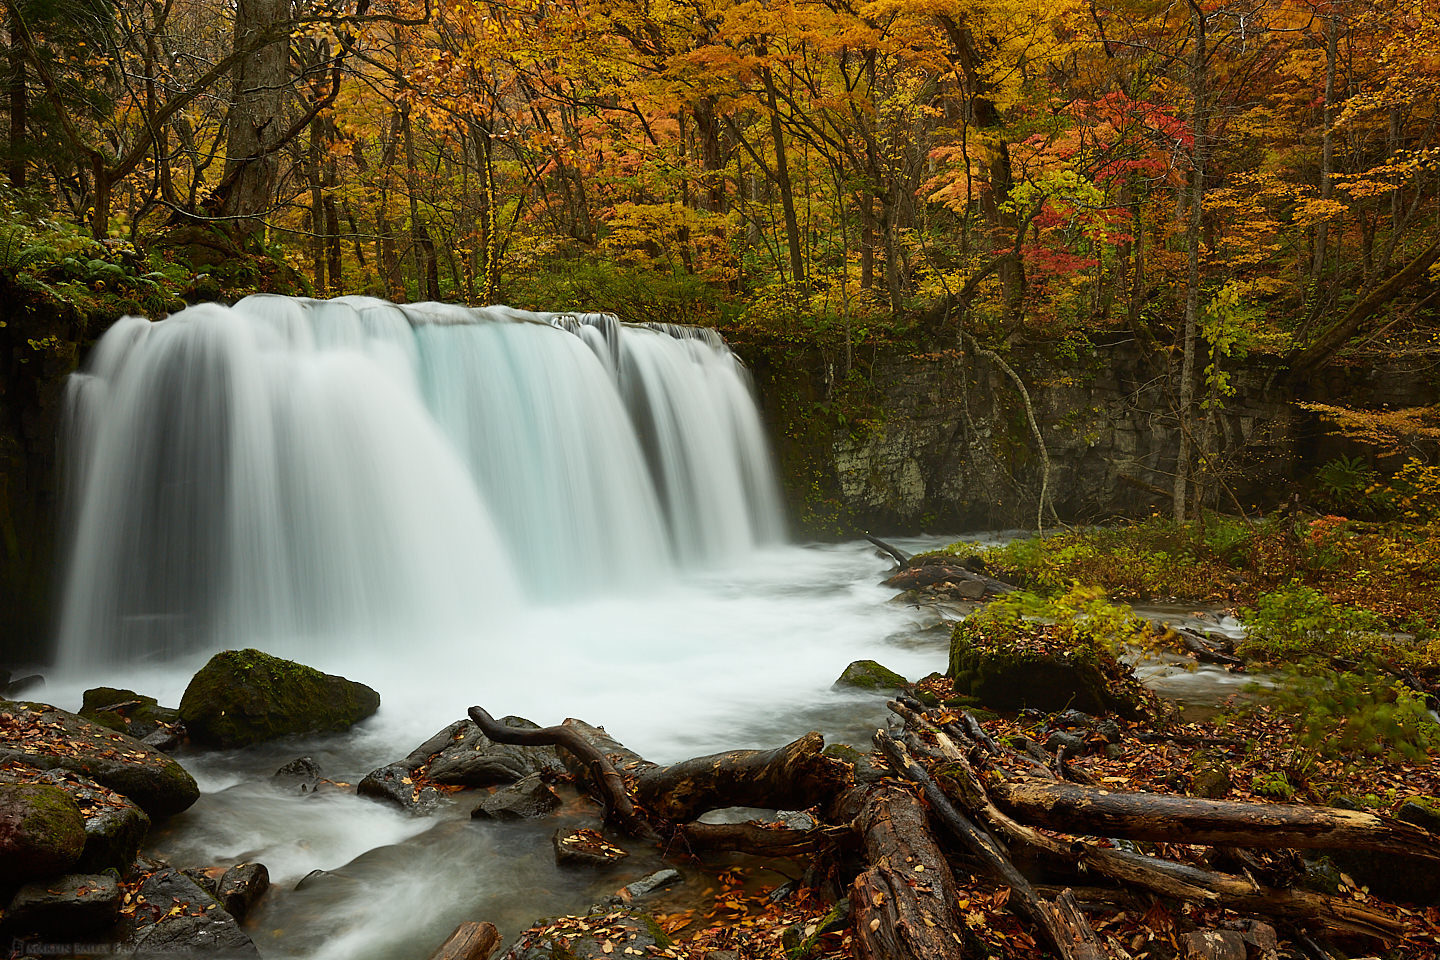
(459, 755)
(245, 696)
(599, 936)
(301, 774)
(241, 888)
(73, 904)
(127, 711)
(525, 800)
(42, 736)
(869, 675)
(199, 927)
(470, 759)
(394, 785)
(41, 831)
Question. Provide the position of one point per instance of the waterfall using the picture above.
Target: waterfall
(306, 475)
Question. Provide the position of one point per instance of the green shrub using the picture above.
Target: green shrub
(1356, 712)
(1296, 622)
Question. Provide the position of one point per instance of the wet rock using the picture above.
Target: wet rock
(165, 739)
(869, 675)
(1424, 812)
(394, 785)
(301, 775)
(115, 826)
(127, 712)
(1072, 744)
(204, 879)
(470, 759)
(649, 884)
(241, 888)
(57, 739)
(525, 800)
(1015, 666)
(585, 848)
(242, 697)
(75, 904)
(947, 576)
(598, 936)
(41, 831)
(1110, 730)
(177, 917)
(1213, 945)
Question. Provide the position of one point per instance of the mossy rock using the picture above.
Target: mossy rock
(48, 738)
(41, 831)
(246, 696)
(126, 711)
(869, 675)
(1013, 666)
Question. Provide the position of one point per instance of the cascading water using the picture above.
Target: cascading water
(301, 475)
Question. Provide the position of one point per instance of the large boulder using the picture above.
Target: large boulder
(245, 696)
(41, 831)
(1014, 665)
(45, 737)
(115, 826)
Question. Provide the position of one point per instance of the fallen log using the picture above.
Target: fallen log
(904, 904)
(472, 940)
(1099, 812)
(796, 776)
(619, 807)
(901, 557)
(960, 782)
(1060, 920)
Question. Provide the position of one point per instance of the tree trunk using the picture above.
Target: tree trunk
(782, 181)
(1191, 333)
(904, 905)
(19, 102)
(257, 109)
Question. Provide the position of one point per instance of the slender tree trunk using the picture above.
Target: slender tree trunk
(782, 181)
(1191, 333)
(317, 209)
(19, 102)
(1327, 148)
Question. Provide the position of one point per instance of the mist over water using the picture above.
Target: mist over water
(548, 515)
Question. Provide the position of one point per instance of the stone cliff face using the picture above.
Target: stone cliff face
(39, 343)
(943, 442)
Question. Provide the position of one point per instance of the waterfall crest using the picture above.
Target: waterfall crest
(304, 475)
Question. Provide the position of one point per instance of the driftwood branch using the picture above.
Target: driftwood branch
(619, 807)
(1151, 816)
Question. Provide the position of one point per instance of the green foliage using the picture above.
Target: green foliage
(1363, 711)
(1082, 615)
(1345, 483)
(634, 292)
(1296, 621)
(1414, 493)
(1272, 784)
